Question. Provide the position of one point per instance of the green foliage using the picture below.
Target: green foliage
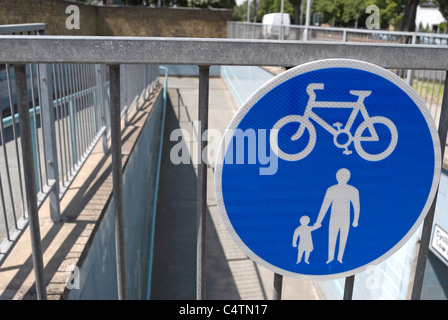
(348, 13)
(443, 7)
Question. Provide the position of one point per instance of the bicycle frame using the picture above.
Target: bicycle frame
(357, 106)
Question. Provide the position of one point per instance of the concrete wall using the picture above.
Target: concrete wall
(118, 21)
(98, 274)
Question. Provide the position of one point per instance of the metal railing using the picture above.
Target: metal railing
(204, 53)
(68, 107)
(428, 83)
(245, 30)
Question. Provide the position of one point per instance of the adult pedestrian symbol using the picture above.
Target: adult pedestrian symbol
(357, 164)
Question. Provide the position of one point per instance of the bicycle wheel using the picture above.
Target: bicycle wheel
(303, 122)
(393, 139)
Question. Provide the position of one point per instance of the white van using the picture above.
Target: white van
(271, 25)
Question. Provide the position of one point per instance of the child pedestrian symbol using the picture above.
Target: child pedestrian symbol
(306, 241)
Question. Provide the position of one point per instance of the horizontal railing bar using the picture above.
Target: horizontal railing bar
(350, 30)
(7, 121)
(204, 51)
(11, 28)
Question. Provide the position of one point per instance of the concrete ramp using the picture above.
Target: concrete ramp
(230, 273)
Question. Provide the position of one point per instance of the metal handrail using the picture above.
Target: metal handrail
(351, 30)
(203, 51)
(206, 52)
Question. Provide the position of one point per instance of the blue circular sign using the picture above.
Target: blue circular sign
(327, 169)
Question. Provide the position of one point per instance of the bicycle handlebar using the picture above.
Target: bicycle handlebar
(319, 86)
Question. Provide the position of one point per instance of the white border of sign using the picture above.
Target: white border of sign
(307, 67)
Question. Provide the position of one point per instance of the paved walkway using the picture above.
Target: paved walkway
(230, 274)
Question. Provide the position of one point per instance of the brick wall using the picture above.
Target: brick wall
(162, 22)
(118, 21)
(50, 12)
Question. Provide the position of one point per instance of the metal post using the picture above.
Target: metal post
(344, 35)
(307, 20)
(282, 37)
(427, 224)
(100, 86)
(48, 127)
(202, 182)
(117, 176)
(411, 72)
(278, 285)
(348, 288)
(28, 165)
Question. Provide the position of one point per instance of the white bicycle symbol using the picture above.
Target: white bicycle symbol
(336, 129)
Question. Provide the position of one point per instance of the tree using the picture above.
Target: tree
(341, 13)
(390, 12)
(410, 11)
(350, 13)
(296, 4)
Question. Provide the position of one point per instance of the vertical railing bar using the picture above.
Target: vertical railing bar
(125, 89)
(33, 97)
(67, 121)
(101, 97)
(348, 288)
(79, 118)
(117, 177)
(5, 217)
(74, 112)
(202, 182)
(90, 104)
(427, 224)
(62, 120)
(28, 164)
(432, 94)
(49, 132)
(278, 286)
(8, 175)
(71, 93)
(438, 90)
(55, 105)
(14, 131)
(94, 99)
(39, 89)
(421, 83)
(58, 96)
(426, 93)
(82, 94)
(76, 102)
(77, 112)
(84, 109)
